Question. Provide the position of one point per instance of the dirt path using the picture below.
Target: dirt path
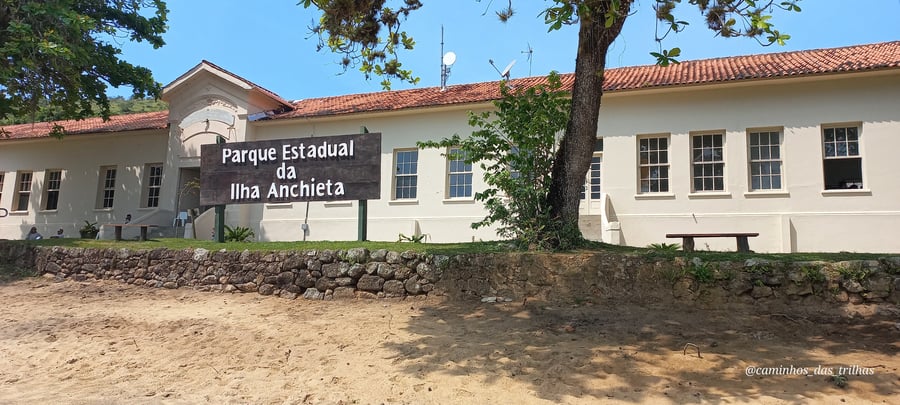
(105, 342)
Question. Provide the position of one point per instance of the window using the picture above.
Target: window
(107, 189)
(406, 164)
(154, 184)
(593, 175)
(765, 160)
(708, 162)
(22, 191)
(521, 159)
(842, 162)
(459, 182)
(514, 171)
(653, 163)
(52, 179)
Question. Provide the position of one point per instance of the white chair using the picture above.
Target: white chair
(180, 219)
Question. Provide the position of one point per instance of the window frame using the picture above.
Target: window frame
(640, 166)
(147, 194)
(596, 159)
(722, 161)
(395, 176)
(767, 161)
(105, 189)
(18, 191)
(51, 194)
(858, 156)
(468, 192)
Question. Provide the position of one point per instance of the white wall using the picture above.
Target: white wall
(80, 158)
(432, 214)
(803, 217)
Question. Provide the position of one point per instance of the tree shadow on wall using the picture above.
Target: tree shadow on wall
(631, 353)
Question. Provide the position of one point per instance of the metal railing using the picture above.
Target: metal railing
(3, 212)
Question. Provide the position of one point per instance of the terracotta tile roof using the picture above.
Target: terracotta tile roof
(406, 99)
(116, 123)
(707, 71)
(754, 67)
(857, 58)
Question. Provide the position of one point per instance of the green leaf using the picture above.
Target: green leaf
(782, 39)
(59, 54)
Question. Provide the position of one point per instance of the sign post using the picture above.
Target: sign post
(219, 229)
(363, 214)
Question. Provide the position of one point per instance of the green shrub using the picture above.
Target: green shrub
(702, 272)
(812, 274)
(664, 247)
(89, 230)
(515, 146)
(839, 380)
(238, 234)
(413, 238)
(855, 272)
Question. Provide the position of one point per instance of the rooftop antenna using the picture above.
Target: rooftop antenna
(447, 60)
(505, 73)
(530, 52)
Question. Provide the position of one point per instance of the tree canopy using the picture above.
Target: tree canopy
(368, 34)
(514, 145)
(64, 53)
(117, 105)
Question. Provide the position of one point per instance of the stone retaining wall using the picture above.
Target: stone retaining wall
(608, 276)
(325, 274)
(570, 278)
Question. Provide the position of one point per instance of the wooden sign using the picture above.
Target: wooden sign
(328, 168)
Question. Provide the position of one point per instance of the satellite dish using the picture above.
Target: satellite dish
(449, 58)
(506, 70)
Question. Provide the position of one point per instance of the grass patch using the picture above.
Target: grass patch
(450, 249)
(713, 256)
(178, 244)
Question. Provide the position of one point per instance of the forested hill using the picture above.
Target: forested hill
(117, 105)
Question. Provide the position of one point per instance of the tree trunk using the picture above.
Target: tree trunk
(573, 158)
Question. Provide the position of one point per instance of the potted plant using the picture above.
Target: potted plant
(89, 230)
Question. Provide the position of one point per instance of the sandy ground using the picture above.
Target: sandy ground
(106, 343)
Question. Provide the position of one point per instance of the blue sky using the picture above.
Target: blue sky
(269, 43)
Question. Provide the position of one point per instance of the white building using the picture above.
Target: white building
(796, 146)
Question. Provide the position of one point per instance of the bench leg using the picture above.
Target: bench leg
(687, 243)
(118, 233)
(743, 245)
(143, 233)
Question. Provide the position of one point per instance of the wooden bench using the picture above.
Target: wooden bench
(144, 227)
(687, 239)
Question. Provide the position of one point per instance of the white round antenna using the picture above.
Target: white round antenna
(506, 70)
(449, 58)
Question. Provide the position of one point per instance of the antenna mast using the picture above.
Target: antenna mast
(447, 60)
(530, 52)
